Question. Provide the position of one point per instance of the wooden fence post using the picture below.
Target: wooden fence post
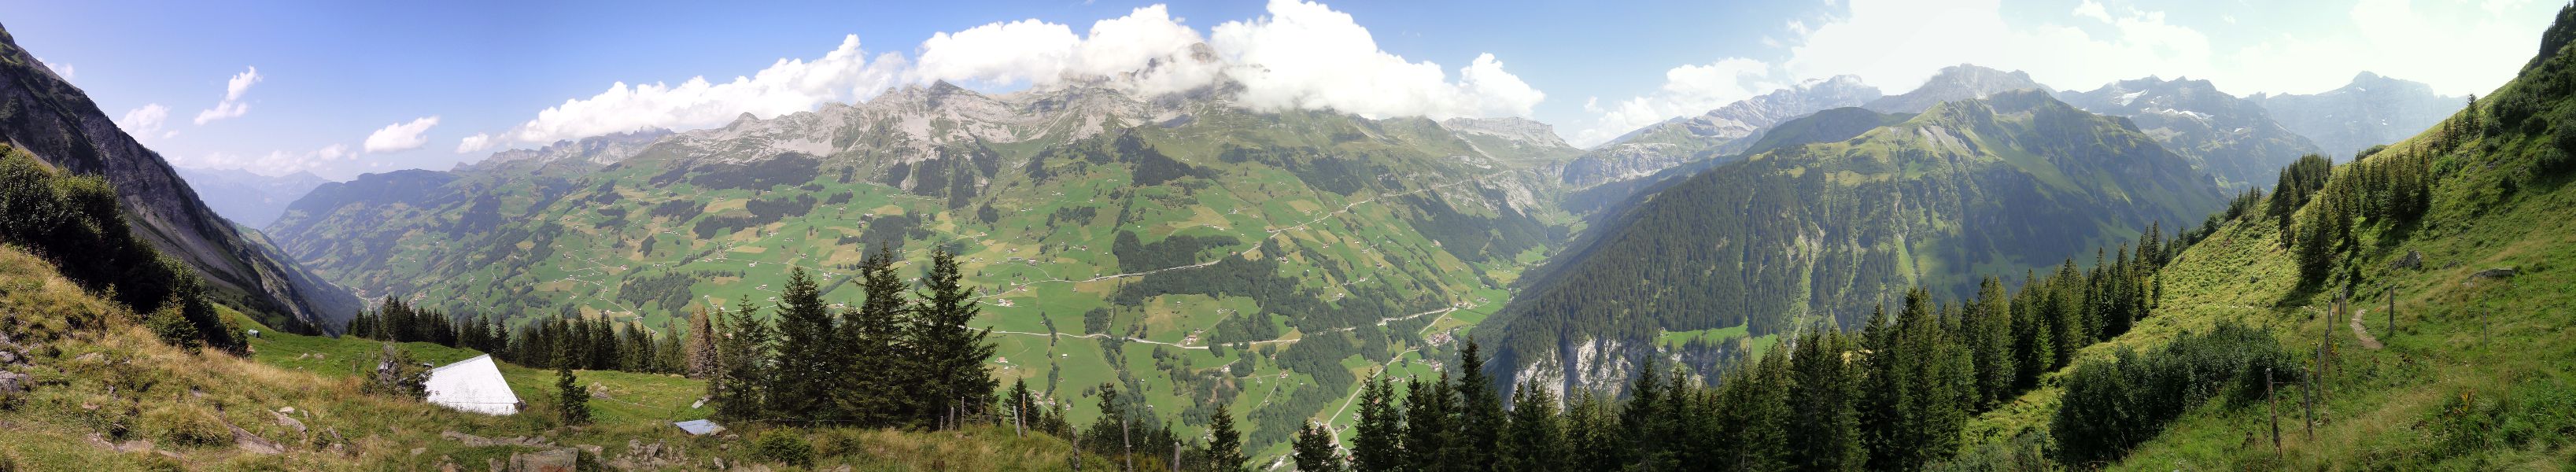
(2275, 404)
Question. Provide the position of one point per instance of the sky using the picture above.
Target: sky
(344, 88)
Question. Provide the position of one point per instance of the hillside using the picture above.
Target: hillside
(1826, 230)
(1187, 249)
(2231, 138)
(2469, 371)
(84, 387)
(47, 117)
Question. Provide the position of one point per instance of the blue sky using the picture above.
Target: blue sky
(342, 88)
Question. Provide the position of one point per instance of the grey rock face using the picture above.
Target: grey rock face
(1959, 82)
(2231, 138)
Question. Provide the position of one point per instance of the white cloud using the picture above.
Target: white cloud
(64, 70)
(787, 86)
(144, 121)
(1019, 51)
(2457, 48)
(1897, 43)
(275, 163)
(1306, 55)
(476, 143)
(1146, 51)
(231, 106)
(2092, 9)
(401, 136)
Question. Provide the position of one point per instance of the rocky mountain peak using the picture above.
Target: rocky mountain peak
(1511, 128)
(1959, 82)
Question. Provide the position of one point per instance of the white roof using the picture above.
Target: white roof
(473, 385)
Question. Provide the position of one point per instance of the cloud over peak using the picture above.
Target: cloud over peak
(1301, 55)
(400, 136)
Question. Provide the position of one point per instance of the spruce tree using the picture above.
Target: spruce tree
(1480, 414)
(953, 353)
(1379, 442)
(1225, 444)
(743, 352)
(809, 359)
(1313, 450)
(1991, 331)
(1428, 417)
(1592, 434)
(1824, 428)
(573, 402)
(881, 365)
(1535, 439)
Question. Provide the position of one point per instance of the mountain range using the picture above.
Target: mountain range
(2370, 111)
(249, 199)
(1823, 229)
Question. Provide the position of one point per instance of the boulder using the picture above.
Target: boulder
(2412, 260)
(555, 460)
(2495, 273)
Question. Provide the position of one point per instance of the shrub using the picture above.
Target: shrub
(2109, 407)
(837, 442)
(186, 425)
(784, 446)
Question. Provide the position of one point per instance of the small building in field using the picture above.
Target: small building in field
(472, 385)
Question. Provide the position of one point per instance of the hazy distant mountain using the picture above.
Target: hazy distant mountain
(2232, 138)
(1715, 134)
(250, 199)
(55, 121)
(1834, 221)
(1954, 83)
(1517, 140)
(2370, 111)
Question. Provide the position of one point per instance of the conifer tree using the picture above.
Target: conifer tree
(1225, 444)
(808, 357)
(953, 354)
(1592, 433)
(1313, 450)
(1824, 430)
(1379, 443)
(1480, 414)
(743, 352)
(1990, 328)
(573, 402)
(1428, 416)
(875, 391)
(1535, 438)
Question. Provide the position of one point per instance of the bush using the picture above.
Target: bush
(784, 446)
(186, 425)
(2109, 407)
(837, 442)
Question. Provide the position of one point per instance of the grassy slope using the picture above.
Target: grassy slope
(87, 353)
(2495, 344)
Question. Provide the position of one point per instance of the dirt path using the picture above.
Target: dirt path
(2361, 333)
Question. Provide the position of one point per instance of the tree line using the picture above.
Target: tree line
(1891, 394)
(901, 358)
